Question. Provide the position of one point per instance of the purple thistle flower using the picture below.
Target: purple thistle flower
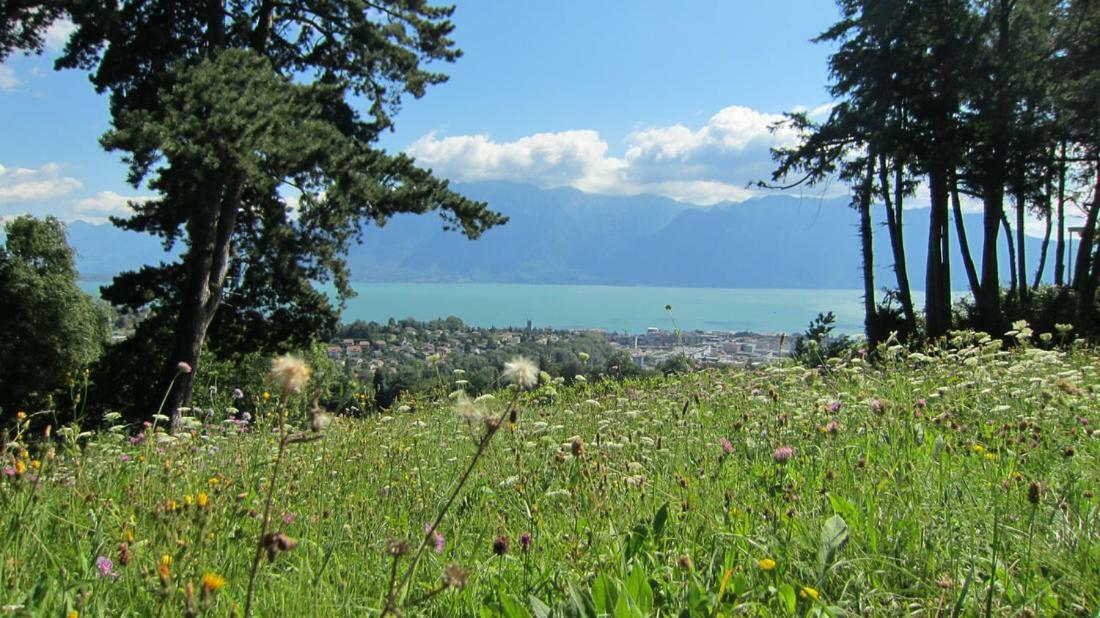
(124, 458)
(525, 542)
(438, 540)
(783, 454)
(727, 446)
(878, 406)
(835, 406)
(500, 545)
(288, 518)
(105, 567)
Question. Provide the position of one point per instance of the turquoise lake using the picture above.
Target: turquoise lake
(613, 308)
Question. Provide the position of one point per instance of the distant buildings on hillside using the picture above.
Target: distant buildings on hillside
(706, 347)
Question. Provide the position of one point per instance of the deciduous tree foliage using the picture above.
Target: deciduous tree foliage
(51, 329)
(253, 121)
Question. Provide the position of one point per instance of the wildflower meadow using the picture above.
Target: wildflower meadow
(956, 481)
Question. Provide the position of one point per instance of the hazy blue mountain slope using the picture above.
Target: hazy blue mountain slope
(565, 236)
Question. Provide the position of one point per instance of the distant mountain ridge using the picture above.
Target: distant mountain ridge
(569, 237)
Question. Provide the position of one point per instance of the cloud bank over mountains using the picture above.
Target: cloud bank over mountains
(706, 165)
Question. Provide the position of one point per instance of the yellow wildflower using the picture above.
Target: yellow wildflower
(213, 481)
(211, 582)
(767, 564)
(20, 467)
(990, 456)
(188, 500)
(267, 395)
(978, 448)
(808, 593)
(202, 500)
(73, 614)
(35, 464)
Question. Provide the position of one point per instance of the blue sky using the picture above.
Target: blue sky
(606, 97)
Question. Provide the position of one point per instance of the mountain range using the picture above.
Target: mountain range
(564, 236)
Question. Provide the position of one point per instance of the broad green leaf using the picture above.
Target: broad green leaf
(637, 585)
(787, 601)
(510, 607)
(834, 534)
(659, 521)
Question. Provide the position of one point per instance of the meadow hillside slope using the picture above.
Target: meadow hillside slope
(960, 482)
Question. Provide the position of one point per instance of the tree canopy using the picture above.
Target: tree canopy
(52, 330)
(253, 120)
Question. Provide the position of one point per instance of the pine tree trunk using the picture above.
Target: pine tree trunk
(897, 240)
(1011, 255)
(867, 250)
(1084, 249)
(1060, 248)
(937, 307)
(1088, 264)
(206, 263)
(1045, 248)
(964, 245)
(1021, 251)
(989, 296)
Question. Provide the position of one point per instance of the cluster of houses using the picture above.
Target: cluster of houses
(653, 347)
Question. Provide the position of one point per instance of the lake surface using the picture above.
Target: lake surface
(612, 308)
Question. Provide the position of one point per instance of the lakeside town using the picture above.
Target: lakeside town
(371, 346)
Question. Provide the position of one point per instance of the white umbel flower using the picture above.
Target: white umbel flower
(521, 372)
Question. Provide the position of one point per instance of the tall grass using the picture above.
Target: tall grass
(949, 481)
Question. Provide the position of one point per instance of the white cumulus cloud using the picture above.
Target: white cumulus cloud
(104, 204)
(8, 80)
(57, 35)
(22, 184)
(703, 165)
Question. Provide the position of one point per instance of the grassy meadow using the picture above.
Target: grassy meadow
(953, 482)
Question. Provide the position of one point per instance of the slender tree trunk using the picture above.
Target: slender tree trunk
(1021, 251)
(897, 240)
(1060, 248)
(993, 174)
(1088, 264)
(1043, 254)
(206, 263)
(937, 306)
(964, 246)
(1011, 255)
(989, 297)
(867, 249)
(1084, 248)
(1047, 198)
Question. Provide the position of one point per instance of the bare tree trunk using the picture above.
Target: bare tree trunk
(897, 240)
(1084, 248)
(1060, 248)
(1021, 253)
(1088, 264)
(937, 305)
(964, 246)
(1042, 254)
(1011, 254)
(867, 249)
(1047, 197)
(206, 262)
